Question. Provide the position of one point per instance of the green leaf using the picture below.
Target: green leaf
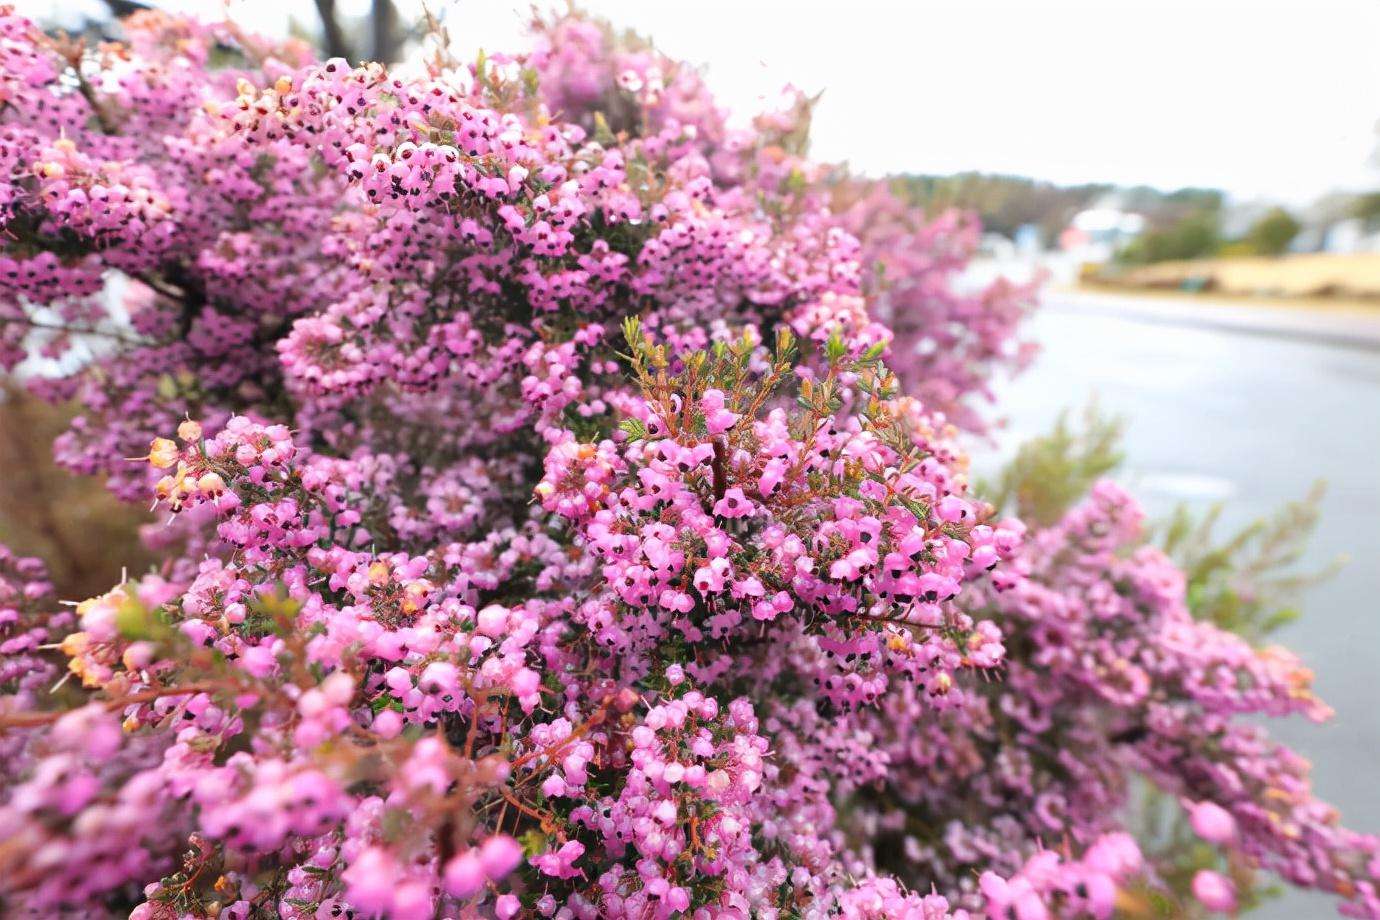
(632, 333)
(603, 134)
(134, 621)
(1280, 618)
(534, 842)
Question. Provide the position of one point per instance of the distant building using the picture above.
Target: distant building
(1330, 225)
(1028, 240)
(1095, 234)
(1350, 235)
(996, 246)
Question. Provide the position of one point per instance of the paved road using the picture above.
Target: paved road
(1252, 418)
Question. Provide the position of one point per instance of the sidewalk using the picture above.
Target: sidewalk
(1335, 327)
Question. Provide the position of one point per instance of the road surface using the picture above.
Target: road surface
(1249, 408)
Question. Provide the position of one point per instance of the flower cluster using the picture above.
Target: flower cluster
(559, 518)
(1117, 680)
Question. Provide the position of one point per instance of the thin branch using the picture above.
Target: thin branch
(89, 94)
(10, 720)
(74, 330)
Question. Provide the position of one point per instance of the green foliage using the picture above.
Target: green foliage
(1272, 233)
(1249, 582)
(1052, 472)
(1367, 208)
(1195, 236)
(1006, 203)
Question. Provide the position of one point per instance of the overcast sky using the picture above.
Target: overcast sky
(1276, 98)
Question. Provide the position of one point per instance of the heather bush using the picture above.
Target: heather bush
(563, 512)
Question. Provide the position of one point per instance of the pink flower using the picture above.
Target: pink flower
(734, 504)
(499, 855)
(1214, 891)
(1212, 822)
(560, 863)
(465, 875)
(717, 419)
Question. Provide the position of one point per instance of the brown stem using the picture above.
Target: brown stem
(716, 466)
(88, 93)
(36, 719)
(580, 730)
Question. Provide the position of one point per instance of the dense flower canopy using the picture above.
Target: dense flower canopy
(568, 517)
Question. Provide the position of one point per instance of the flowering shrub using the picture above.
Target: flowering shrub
(565, 521)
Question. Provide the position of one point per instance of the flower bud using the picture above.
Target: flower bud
(1215, 891)
(211, 484)
(163, 453)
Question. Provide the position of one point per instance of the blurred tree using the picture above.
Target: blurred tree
(1272, 233)
(1193, 237)
(1367, 208)
(1005, 203)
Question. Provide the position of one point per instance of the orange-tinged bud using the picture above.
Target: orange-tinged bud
(165, 488)
(413, 592)
(163, 453)
(211, 484)
(73, 644)
(137, 656)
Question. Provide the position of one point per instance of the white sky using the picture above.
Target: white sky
(1276, 98)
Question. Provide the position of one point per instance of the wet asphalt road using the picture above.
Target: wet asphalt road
(1251, 419)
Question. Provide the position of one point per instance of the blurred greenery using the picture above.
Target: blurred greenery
(1006, 203)
(1194, 236)
(1367, 208)
(1272, 233)
(1248, 582)
(1050, 473)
